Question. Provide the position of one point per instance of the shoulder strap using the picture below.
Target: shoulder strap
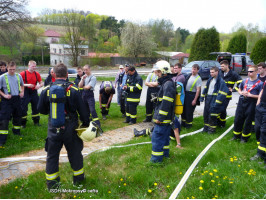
(36, 77)
(194, 83)
(7, 85)
(25, 76)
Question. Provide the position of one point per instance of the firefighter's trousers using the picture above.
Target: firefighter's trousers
(105, 109)
(131, 112)
(260, 127)
(10, 108)
(160, 142)
(88, 98)
(73, 144)
(245, 114)
(187, 115)
(30, 96)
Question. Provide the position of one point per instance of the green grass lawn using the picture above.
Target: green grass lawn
(6, 51)
(34, 137)
(225, 172)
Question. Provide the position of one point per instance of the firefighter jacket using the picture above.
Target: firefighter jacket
(219, 95)
(134, 88)
(73, 103)
(231, 78)
(164, 110)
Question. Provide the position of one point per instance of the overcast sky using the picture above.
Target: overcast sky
(188, 14)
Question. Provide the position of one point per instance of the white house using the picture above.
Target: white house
(51, 36)
(61, 53)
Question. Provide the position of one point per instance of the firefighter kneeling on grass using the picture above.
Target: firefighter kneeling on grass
(164, 112)
(62, 101)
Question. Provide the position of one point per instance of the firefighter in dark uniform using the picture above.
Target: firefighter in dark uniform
(249, 91)
(230, 78)
(105, 97)
(192, 88)
(3, 70)
(66, 135)
(31, 79)
(133, 89)
(11, 91)
(215, 93)
(153, 88)
(164, 112)
(260, 126)
(80, 73)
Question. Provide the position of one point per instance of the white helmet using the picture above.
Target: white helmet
(87, 134)
(163, 66)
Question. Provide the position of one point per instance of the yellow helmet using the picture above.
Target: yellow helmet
(88, 134)
(163, 66)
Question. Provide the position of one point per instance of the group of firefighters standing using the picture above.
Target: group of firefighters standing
(18, 90)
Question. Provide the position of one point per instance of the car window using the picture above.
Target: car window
(237, 59)
(212, 64)
(205, 65)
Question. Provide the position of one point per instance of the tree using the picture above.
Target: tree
(251, 31)
(258, 53)
(73, 22)
(13, 17)
(205, 42)
(136, 40)
(163, 31)
(238, 44)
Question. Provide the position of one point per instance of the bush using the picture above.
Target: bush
(205, 42)
(37, 58)
(238, 44)
(258, 53)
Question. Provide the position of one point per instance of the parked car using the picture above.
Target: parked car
(205, 66)
(69, 70)
(239, 62)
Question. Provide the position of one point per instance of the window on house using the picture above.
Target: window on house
(60, 51)
(54, 50)
(82, 52)
(55, 62)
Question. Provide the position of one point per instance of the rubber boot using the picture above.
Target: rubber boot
(142, 132)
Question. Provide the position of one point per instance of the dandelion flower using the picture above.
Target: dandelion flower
(202, 181)
(155, 184)
(217, 176)
(180, 173)
(211, 173)
(202, 174)
(74, 196)
(149, 191)
(201, 188)
(121, 179)
(193, 197)
(219, 184)
(20, 138)
(16, 187)
(215, 170)
(187, 197)
(231, 182)
(216, 196)
(212, 181)
(125, 184)
(109, 192)
(238, 165)
(249, 173)
(168, 186)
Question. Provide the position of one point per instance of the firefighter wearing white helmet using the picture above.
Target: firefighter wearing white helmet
(164, 112)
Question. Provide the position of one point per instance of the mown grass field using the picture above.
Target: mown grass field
(225, 172)
(34, 137)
